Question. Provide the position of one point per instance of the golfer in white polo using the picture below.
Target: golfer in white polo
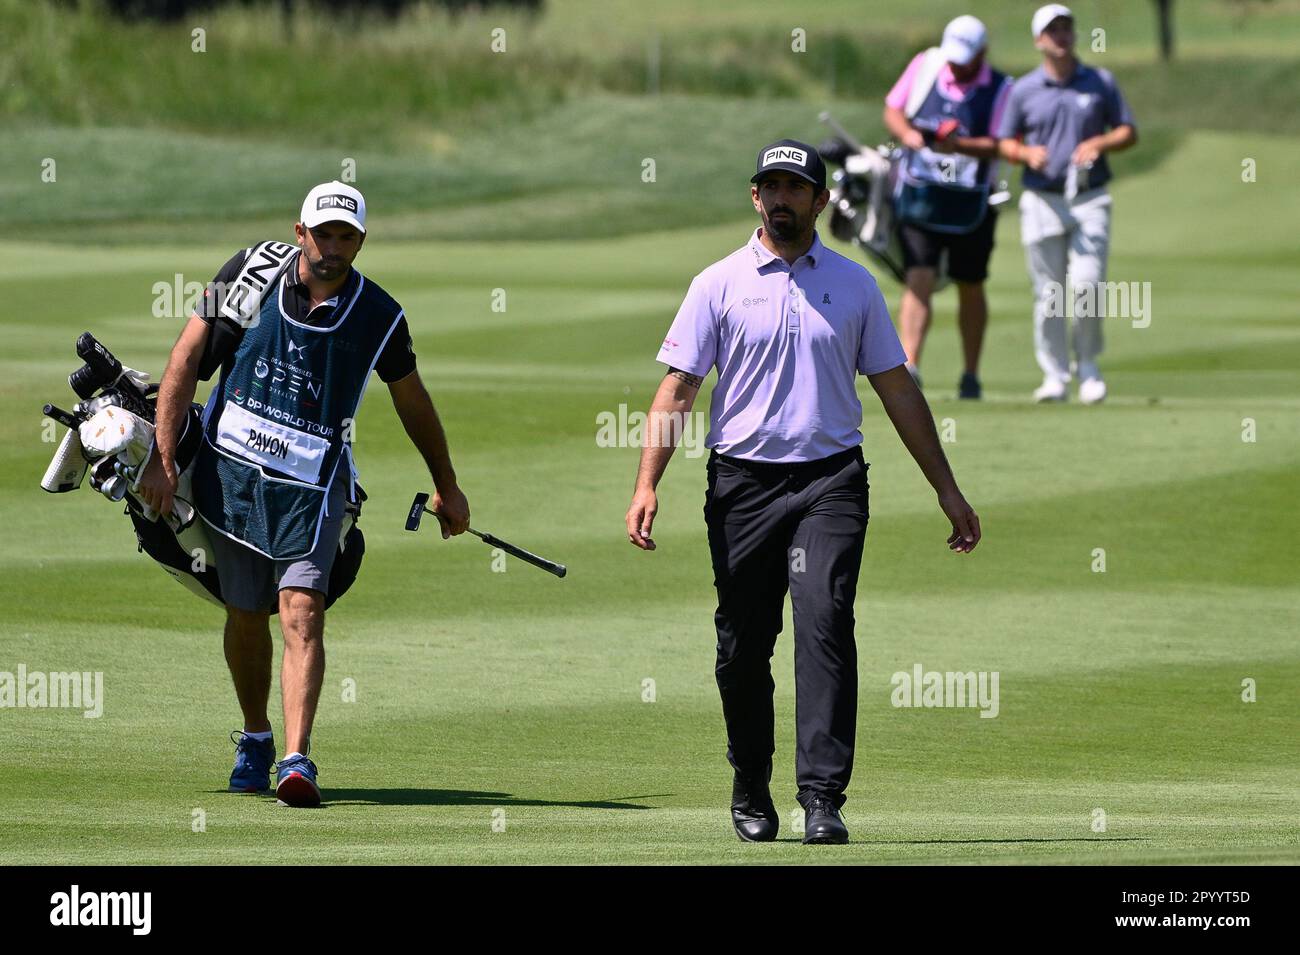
(1060, 122)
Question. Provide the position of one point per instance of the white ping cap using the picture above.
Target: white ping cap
(334, 202)
(963, 39)
(1045, 15)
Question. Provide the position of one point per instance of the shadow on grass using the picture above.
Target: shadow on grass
(468, 797)
(995, 842)
(968, 842)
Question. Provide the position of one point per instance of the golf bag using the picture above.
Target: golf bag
(865, 198)
(862, 197)
(110, 436)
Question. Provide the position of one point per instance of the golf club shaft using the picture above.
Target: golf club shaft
(840, 131)
(559, 570)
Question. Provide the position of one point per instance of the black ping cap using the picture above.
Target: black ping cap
(793, 156)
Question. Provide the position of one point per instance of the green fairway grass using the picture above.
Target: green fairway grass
(517, 699)
(505, 717)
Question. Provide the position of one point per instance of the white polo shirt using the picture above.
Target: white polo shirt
(788, 342)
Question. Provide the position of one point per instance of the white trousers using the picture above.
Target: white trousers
(1066, 245)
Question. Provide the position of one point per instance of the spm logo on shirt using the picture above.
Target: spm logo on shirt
(785, 154)
(337, 202)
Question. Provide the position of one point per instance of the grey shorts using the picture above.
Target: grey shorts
(252, 581)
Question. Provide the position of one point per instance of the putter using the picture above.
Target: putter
(419, 508)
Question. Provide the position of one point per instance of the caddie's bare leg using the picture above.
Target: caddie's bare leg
(248, 654)
(302, 621)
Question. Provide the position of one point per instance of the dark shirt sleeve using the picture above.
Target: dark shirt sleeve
(1117, 111)
(224, 336)
(397, 360)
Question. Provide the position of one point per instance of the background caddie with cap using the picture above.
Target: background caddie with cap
(789, 325)
(296, 333)
(943, 109)
(1061, 120)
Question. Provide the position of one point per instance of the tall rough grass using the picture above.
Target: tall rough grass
(398, 81)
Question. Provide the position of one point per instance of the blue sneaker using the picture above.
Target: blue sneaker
(253, 759)
(296, 782)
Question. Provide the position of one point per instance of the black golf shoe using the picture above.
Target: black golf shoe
(752, 811)
(969, 387)
(822, 824)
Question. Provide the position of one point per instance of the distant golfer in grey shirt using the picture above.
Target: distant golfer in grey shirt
(1060, 122)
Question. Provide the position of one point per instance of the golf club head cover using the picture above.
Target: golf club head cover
(67, 467)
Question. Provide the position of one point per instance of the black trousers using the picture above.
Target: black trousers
(797, 528)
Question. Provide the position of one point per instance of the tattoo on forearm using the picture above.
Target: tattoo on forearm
(693, 380)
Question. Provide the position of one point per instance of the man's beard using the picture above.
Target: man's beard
(784, 228)
(326, 271)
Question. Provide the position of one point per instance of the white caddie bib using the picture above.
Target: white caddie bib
(271, 444)
(946, 168)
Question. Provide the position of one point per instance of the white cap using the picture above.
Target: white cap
(1045, 15)
(963, 39)
(334, 202)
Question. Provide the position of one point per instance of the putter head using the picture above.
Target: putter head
(417, 511)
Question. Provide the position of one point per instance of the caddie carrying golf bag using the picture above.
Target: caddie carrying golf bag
(110, 435)
(872, 193)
